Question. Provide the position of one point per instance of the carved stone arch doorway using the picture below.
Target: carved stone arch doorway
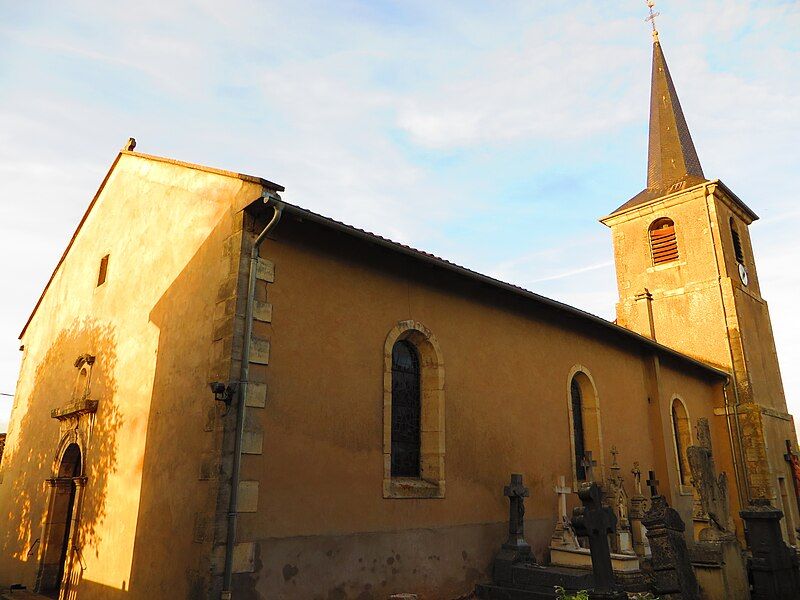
(59, 536)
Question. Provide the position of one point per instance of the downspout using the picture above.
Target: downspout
(735, 447)
(240, 406)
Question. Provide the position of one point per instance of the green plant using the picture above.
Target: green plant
(562, 594)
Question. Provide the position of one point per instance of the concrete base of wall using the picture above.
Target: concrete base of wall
(436, 564)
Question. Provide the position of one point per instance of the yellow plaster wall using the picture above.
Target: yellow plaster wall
(150, 328)
(506, 401)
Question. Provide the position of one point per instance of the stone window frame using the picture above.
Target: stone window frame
(591, 414)
(431, 483)
(681, 466)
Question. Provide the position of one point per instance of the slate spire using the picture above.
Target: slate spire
(671, 156)
(672, 162)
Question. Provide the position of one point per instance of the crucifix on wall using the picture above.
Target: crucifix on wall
(588, 465)
(794, 465)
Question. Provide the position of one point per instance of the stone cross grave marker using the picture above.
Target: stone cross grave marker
(516, 493)
(652, 483)
(563, 536)
(515, 550)
(588, 464)
(596, 522)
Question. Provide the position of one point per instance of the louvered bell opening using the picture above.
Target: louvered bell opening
(663, 244)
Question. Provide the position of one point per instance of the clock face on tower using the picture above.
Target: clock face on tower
(743, 273)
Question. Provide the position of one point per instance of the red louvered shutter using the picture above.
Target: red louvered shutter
(663, 244)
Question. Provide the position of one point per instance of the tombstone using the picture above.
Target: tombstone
(596, 522)
(773, 566)
(563, 534)
(515, 550)
(717, 557)
(638, 506)
(673, 576)
(617, 500)
(515, 574)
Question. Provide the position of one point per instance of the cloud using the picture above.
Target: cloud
(492, 137)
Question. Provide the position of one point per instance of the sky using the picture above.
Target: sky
(493, 134)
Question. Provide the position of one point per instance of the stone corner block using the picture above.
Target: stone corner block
(247, 501)
(252, 442)
(259, 351)
(262, 311)
(265, 270)
(244, 557)
(256, 395)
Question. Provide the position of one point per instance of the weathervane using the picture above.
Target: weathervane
(652, 18)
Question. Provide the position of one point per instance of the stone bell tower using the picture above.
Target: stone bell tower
(687, 278)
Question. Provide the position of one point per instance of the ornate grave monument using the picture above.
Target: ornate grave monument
(638, 506)
(717, 557)
(672, 570)
(572, 554)
(617, 499)
(515, 574)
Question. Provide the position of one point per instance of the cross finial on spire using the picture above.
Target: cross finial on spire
(652, 18)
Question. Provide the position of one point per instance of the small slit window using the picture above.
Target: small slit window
(737, 243)
(663, 244)
(101, 275)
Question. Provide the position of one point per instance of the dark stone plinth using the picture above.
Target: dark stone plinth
(534, 582)
(672, 570)
(773, 566)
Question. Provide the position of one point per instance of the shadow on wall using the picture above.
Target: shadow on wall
(32, 458)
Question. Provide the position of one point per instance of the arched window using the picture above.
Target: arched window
(406, 409)
(663, 243)
(682, 432)
(413, 413)
(584, 420)
(737, 243)
(577, 428)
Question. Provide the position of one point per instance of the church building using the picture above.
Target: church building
(225, 395)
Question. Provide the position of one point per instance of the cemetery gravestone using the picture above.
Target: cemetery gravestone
(672, 570)
(596, 522)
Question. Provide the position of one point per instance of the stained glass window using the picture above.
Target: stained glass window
(406, 417)
(577, 427)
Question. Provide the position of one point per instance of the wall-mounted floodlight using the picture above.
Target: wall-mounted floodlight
(223, 393)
